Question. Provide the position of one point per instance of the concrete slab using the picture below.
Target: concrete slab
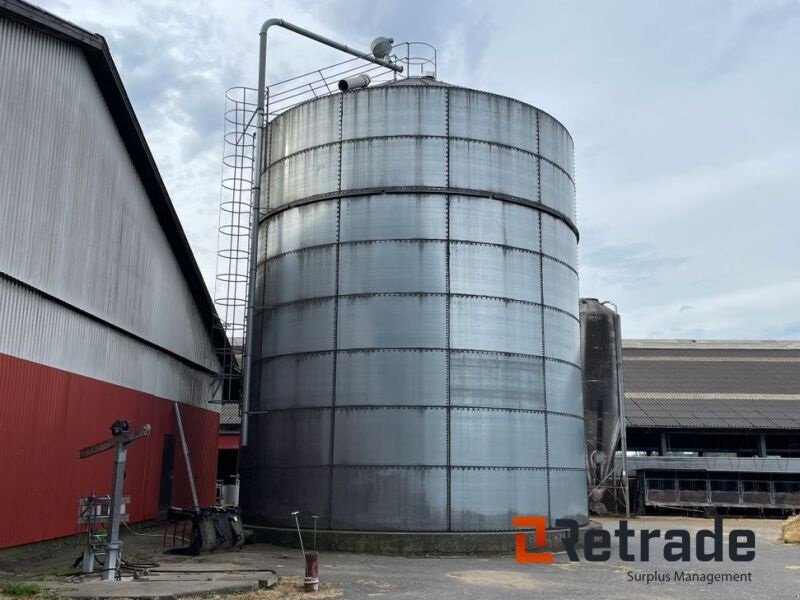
(165, 586)
(411, 543)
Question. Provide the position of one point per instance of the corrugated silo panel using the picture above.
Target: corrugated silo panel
(388, 266)
(479, 166)
(378, 112)
(568, 494)
(479, 116)
(557, 190)
(390, 436)
(276, 492)
(304, 175)
(394, 162)
(262, 246)
(487, 499)
(301, 227)
(567, 444)
(396, 216)
(564, 391)
(496, 381)
(495, 325)
(295, 381)
(497, 438)
(390, 498)
(560, 287)
(301, 275)
(392, 321)
(279, 432)
(555, 143)
(494, 271)
(311, 124)
(391, 377)
(302, 327)
(491, 222)
(562, 336)
(559, 241)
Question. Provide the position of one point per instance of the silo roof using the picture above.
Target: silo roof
(416, 81)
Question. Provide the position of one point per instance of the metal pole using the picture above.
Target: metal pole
(187, 460)
(114, 547)
(300, 535)
(315, 517)
(261, 119)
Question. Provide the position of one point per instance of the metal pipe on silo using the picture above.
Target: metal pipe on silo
(353, 83)
(262, 118)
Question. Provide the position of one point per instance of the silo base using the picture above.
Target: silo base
(409, 543)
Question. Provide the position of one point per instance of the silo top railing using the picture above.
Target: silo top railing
(230, 293)
(417, 58)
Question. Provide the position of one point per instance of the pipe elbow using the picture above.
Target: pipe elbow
(270, 23)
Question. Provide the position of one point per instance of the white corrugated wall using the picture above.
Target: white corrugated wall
(77, 224)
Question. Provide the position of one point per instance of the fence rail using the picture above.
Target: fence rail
(743, 493)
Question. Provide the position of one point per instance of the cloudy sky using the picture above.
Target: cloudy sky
(685, 115)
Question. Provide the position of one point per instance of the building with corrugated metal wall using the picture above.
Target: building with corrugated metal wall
(713, 423)
(103, 311)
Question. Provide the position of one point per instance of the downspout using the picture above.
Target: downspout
(261, 119)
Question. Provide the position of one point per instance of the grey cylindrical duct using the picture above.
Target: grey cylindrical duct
(354, 82)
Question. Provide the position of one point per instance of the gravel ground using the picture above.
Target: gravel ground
(774, 574)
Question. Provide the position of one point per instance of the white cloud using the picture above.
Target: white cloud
(684, 116)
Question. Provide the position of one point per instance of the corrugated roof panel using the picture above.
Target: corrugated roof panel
(717, 384)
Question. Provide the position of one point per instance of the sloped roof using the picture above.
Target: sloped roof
(108, 79)
(414, 81)
(712, 384)
(229, 415)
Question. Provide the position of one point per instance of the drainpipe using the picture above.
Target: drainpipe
(261, 120)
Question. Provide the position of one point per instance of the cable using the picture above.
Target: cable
(146, 566)
(128, 527)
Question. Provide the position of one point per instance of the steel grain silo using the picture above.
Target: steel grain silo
(418, 343)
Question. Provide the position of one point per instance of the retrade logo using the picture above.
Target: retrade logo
(540, 537)
(597, 547)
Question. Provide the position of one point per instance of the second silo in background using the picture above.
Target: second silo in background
(417, 354)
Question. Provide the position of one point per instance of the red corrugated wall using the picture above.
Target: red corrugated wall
(47, 415)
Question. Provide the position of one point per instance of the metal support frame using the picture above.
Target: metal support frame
(261, 120)
(114, 547)
(186, 458)
(762, 445)
(120, 440)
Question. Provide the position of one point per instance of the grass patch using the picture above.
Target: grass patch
(21, 589)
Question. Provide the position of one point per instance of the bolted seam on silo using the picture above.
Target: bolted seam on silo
(419, 366)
